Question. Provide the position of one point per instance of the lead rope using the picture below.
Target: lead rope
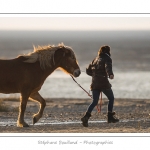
(99, 106)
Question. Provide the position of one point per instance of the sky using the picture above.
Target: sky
(74, 23)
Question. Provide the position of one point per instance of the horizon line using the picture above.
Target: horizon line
(73, 30)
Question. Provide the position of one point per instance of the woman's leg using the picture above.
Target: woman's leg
(110, 96)
(110, 115)
(95, 95)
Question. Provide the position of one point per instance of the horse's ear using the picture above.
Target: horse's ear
(66, 52)
(61, 51)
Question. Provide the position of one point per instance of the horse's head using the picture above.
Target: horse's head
(68, 62)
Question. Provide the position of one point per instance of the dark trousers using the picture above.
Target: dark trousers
(96, 94)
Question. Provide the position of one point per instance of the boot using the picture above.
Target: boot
(111, 117)
(85, 119)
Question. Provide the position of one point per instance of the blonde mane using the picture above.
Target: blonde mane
(45, 55)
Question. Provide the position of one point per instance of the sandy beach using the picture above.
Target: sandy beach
(63, 116)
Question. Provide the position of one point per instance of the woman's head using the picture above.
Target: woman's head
(104, 49)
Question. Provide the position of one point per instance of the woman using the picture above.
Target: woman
(100, 69)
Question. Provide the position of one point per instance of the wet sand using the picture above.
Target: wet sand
(63, 116)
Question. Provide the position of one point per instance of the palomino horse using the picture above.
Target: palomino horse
(27, 73)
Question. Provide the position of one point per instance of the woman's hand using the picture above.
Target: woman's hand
(111, 76)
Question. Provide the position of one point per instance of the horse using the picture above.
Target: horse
(26, 74)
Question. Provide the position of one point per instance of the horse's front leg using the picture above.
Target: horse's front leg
(37, 97)
(23, 102)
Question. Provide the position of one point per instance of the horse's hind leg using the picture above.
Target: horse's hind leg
(23, 102)
(37, 97)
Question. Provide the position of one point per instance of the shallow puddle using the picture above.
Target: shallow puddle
(56, 122)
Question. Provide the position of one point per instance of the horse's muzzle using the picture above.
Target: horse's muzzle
(76, 72)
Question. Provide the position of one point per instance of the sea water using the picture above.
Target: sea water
(125, 85)
(135, 85)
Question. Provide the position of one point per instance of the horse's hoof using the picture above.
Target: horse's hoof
(34, 120)
(22, 125)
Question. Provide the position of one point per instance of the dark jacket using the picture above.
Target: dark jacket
(100, 69)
